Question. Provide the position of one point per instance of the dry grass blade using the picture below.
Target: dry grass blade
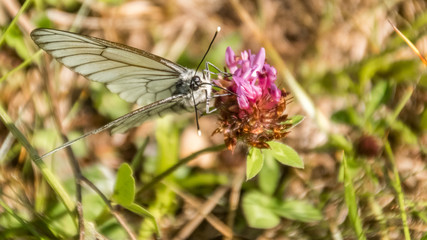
(203, 211)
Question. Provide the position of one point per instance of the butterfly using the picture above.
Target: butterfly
(157, 84)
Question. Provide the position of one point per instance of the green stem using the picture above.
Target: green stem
(351, 202)
(398, 188)
(21, 10)
(405, 98)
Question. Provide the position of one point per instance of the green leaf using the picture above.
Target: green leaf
(285, 154)
(139, 210)
(294, 120)
(200, 180)
(340, 142)
(254, 163)
(269, 176)
(124, 190)
(298, 210)
(144, 213)
(377, 96)
(15, 40)
(258, 212)
(405, 133)
(347, 116)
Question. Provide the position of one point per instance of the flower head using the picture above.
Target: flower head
(255, 113)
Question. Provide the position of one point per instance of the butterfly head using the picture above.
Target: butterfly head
(195, 83)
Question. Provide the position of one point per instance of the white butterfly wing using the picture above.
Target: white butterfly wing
(132, 119)
(138, 116)
(135, 75)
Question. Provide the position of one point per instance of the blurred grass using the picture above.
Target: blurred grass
(346, 63)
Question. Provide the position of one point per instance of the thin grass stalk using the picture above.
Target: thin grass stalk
(21, 10)
(398, 188)
(45, 171)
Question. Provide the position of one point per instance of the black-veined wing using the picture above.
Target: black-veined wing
(135, 75)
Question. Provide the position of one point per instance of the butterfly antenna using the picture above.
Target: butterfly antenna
(210, 45)
(198, 66)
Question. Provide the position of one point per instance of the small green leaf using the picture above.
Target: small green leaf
(139, 210)
(144, 213)
(294, 120)
(347, 116)
(298, 210)
(258, 212)
(124, 190)
(269, 176)
(200, 180)
(377, 96)
(254, 163)
(405, 133)
(340, 142)
(285, 154)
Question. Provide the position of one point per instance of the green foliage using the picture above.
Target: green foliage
(42, 21)
(264, 211)
(348, 116)
(340, 142)
(124, 190)
(259, 210)
(124, 194)
(295, 120)
(268, 178)
(350, 200)
(202, 180)
(404, 132)
(167, 136)
(108, 103)
(281, 152)
(285, 155)
(298, 211)
(254, 163)
(377, 96)
(16, 41)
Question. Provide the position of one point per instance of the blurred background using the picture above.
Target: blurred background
(360, 87)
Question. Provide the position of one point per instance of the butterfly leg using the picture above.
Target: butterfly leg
(208, 104)
(220, 72)
(208, 110)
